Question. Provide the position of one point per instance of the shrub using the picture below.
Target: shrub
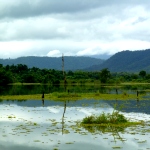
(88, 120)
(103, 118)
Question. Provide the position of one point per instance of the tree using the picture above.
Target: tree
(142, 74)
(21, 68)
(5, 77)
(104, 75)
(28, 78)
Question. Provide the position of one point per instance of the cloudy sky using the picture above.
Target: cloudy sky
(72, 27)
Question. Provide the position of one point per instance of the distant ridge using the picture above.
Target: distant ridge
(71, 62)
(100, 56)
(126, 61)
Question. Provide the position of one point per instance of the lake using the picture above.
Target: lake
(55, 125)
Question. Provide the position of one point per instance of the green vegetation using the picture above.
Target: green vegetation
(21, 74)
(35, 124)
(66, 96)
(114, 122)
(104, 75)
(10, 117)
(114, 118)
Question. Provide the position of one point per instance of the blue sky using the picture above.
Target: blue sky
(72, 27)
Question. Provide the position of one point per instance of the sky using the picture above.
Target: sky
(73, 27)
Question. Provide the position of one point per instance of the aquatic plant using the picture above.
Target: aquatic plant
(105, 118)
(66, 95)
(10, 117)
(72, 96)
(35, 123)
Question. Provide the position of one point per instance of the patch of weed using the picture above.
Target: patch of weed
(104, 118)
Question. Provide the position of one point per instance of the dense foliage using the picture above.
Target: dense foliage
(21, 73)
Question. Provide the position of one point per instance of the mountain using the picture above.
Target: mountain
(100, 56)
(70, 62)
(126, 61)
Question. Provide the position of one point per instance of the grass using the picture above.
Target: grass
(114, 118)
(104, 123)
(64, 95)
(72, 96)
(114, 123)
(107, 120)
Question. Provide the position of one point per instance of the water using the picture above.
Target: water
(38, 89)
(49, 125)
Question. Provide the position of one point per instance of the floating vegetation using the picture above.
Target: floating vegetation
(46, 129)
(10, 117)
(116, 147)
(142, 141)
(66, 131)
(104, 118)
(34, 123)
(69, 143)
(37, 141)
(114, 123)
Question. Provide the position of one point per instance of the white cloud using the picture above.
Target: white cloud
(53, 110)
(54, 53)
(114, 47)
(90, 51)
(91, 28)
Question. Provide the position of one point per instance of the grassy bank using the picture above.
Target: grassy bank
(72, 96)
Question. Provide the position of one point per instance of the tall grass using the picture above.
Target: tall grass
(66, 95)
(105, 118)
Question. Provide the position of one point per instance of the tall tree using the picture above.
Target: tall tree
(5, 77)
(142, 74)
(104, 75)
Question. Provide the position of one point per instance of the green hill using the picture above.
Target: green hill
(126, 61)
(70, 62)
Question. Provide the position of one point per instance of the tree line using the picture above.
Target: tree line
(22, 74)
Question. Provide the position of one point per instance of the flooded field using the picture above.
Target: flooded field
(55, 125)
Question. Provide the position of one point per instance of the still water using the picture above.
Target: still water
(54, 125)
(38, 89)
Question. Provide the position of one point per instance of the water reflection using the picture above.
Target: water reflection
(63, 116)
(43, 102)
(139, 106)
(100, 129)
(28, 125)
(117, 91)
(43, 99)
(38, 89)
